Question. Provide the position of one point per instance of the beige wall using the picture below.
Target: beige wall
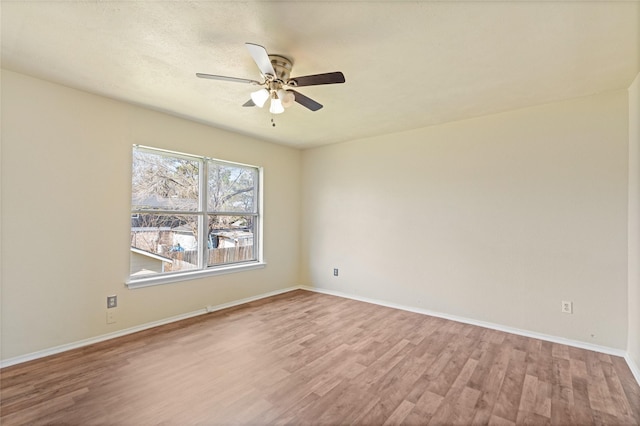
(497, 219)
(66, 170)
(633, 345)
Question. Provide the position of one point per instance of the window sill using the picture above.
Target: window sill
(192, 275)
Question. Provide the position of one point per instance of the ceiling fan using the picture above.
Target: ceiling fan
(276, 84)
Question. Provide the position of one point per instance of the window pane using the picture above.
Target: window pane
(163, 243)
(161, 182)
(174, 196)
(231, 188)
(231, 239)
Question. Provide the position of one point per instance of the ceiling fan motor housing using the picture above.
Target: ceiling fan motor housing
(282, 66)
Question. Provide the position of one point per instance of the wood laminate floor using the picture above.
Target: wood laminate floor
(308, 358)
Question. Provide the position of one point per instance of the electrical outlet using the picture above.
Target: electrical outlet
(335, 272)
(112, 301)
(111, 316)
(567, 307)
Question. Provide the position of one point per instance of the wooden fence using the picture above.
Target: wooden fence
(230, 254)
(188, 259)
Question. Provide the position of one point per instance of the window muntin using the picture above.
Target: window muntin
(191, 214)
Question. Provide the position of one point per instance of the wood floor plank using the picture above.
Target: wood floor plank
(527, 399)
(309, 358)
(492, 385)
(543, 400)
(424, 409)
(622, 406)
(396, 385)
(499, 421)
(447, 411)
(399, 414)
(508, 401)
(562, 386)
(465, 408)
(629, 385)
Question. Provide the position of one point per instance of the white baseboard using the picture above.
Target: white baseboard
(549, 338)
(78, 344)
(555, 339)
(635, 369)
(493, 326)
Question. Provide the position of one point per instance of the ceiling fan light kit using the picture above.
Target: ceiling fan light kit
(276, 105)
(277, 84)
(287, 97)
(259, 97)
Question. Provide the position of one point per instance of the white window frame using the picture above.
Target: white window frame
(203, 269)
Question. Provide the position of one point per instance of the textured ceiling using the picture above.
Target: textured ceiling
(407, 64)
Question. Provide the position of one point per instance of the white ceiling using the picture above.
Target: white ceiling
(407, 64)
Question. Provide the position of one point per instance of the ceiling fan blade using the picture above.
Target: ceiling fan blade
(314, 80)
(305, 101)
(224, 78)
(261, 57)
(249, 103)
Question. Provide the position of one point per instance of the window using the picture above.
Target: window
(191, 216)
